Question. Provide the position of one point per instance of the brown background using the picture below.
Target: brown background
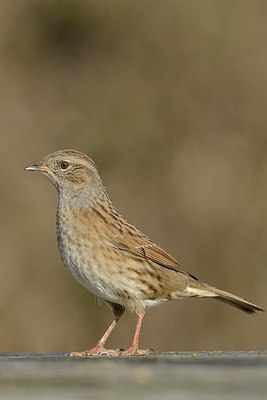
(169, 98)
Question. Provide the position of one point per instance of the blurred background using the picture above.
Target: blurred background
(169, 98)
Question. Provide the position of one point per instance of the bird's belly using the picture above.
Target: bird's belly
(91, 273)
(153, 303)
(90, 277)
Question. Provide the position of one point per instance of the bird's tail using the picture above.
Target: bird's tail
(204, 290)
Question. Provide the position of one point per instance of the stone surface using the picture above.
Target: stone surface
(176, 375)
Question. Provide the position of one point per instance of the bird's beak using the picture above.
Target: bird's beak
(37, 167)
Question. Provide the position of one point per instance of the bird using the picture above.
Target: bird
(111, 257)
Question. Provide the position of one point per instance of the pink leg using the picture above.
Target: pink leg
(99, 347)
(133, 349)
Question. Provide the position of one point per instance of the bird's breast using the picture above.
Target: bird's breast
(83, 253)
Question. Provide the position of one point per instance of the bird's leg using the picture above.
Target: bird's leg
(99, 347)
(133, 349)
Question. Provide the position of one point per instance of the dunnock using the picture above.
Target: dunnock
(109, 256)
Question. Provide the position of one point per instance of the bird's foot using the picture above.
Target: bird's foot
(95, 351)
(135, 351)
(102, 351)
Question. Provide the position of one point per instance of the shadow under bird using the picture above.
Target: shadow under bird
(111, 257)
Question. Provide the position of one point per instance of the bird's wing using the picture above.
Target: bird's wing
(149, 252)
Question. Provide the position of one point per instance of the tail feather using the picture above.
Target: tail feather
(237, 302)
(226, 297)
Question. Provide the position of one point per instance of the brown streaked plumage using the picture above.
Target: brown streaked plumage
(109, 256)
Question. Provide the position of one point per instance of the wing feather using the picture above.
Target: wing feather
(150, 252)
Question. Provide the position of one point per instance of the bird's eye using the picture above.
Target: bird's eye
(64, 164)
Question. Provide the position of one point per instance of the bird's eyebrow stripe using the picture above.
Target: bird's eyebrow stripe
(64, 160)
(83, 158)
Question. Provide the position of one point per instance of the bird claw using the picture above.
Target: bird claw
(133, 351)
(96, 351)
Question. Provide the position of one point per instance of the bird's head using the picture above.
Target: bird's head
(70, 171)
